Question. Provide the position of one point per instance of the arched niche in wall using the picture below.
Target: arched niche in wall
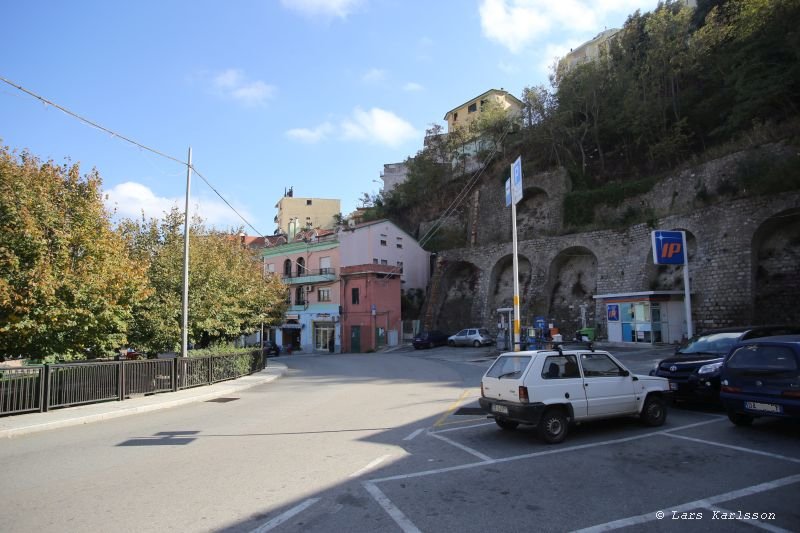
(669, 277)
(776, 269)
(501, 286)
(458, 286)
(534, 215)
(572, 281)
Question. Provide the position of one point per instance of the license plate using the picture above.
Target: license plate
(673, 385)
(502, 409)
(763, 407)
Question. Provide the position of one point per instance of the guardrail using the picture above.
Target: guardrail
(44, 387)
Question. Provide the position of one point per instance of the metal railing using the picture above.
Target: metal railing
(50, 386)
(302, 273)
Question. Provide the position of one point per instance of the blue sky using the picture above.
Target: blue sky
(311, 94)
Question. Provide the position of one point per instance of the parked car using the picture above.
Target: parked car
(429, 339)
(694, 370)
(551, 389)
(761, 377)
(471, 337)
(272, 348)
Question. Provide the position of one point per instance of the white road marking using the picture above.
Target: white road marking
(737, 448)
(754, 523)
(460, 446)
(463, 427)
(370, 466)
(704, 503)
(414, 434)
(397, 515)
(280, 519)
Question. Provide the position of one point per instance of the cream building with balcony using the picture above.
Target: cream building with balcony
(463, 115)
(297, 214)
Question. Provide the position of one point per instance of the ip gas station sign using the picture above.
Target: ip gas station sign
(669, 247)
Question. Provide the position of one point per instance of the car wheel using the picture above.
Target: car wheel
(477, 344)
(507, 425)
(654, 412)
(740, 419)
(552, 427)
(451, 343)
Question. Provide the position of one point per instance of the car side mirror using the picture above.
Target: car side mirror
(625, 373)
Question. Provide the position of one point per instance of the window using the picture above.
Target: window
(400, 266)
(301, 266)
(271, 267)
(472, 108)
(384, 262)
(455, 117)
(383, 242)
(374, 261)
(599, 365)
(509, 367)
(325, 265)
(308, 202)
(287, 268)
(560, 366)
(299, 296)
(399, 245)
(324, 295)
(763, 360)
(355, 296)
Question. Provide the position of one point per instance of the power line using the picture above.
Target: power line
(128, 140)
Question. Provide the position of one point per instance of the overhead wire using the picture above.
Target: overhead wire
(141, 146)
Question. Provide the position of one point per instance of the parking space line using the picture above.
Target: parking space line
(280, 519)
(463, 427)
(697, 504)
(397, 515)
(460, 446)
(754, 523)
(737, 448)
(414, 434)
(370, 466)
(451, 409)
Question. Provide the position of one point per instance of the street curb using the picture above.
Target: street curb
(14, 426)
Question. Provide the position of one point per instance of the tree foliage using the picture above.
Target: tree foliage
(228, 292)
(68, 286)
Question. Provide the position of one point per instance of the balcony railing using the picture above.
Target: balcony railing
(327, 273)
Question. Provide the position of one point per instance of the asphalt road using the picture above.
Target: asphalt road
(389, 442)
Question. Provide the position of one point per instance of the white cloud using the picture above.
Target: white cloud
(311, 136)
(374, 75)
(412, 87)
(233, 84)
(322, 8)
(378, 126)
(131, 199)
(516, 24)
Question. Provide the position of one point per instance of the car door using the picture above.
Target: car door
(459, 337)
(561, 380)
(609, 387)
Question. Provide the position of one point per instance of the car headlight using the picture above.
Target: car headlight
(710, 368)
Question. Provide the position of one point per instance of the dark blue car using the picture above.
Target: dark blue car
(429, 339)
(761, 377)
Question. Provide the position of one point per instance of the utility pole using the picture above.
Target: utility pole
(185, 325)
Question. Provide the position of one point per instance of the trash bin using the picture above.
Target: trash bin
(587, 332)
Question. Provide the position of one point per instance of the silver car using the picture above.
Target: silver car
(470, 337)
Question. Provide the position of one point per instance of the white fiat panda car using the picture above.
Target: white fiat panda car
(551, 389)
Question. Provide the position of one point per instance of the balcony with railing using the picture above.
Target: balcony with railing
(309, 276)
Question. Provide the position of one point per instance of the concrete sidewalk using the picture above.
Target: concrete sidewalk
(16, 425)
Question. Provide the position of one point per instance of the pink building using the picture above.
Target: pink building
(370, 306)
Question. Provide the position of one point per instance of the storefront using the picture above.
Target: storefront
(651, 317)
(324, 331)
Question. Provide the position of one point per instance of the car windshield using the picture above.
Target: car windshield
(715, 343)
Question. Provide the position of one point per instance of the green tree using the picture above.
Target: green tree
(229, 295)
(67, 283)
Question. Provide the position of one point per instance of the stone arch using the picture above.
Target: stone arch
(775, 256)
(501, 287)
(458, 290)
(572, 281)
(534, 215)
(669, 277)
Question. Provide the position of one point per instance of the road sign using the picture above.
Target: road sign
(669, 247)
(516, 180)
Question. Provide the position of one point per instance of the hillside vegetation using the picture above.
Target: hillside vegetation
(676, 86)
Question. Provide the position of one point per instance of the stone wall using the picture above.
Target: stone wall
(744, 254)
